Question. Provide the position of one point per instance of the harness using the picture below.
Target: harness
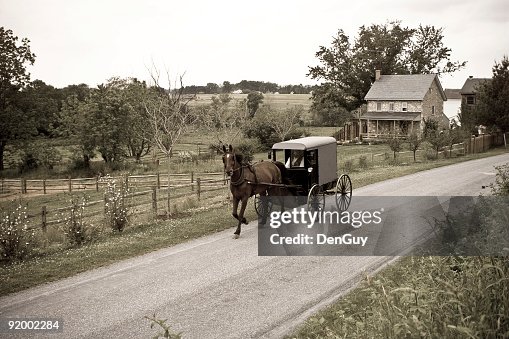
(241, 179)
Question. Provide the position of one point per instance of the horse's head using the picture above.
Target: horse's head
(229, 160)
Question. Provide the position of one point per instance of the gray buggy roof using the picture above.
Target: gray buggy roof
(304, 143)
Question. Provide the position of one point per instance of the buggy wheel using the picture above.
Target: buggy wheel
(263, 206)
(316, 198)
(343, 192)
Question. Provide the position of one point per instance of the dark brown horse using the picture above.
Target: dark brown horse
(247, 180)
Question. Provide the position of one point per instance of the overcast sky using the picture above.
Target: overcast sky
(213, 41)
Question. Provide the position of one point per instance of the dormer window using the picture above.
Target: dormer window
(391, 106)
(404, 106)
(379, 106)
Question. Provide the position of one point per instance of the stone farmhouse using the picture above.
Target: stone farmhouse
(397, 105)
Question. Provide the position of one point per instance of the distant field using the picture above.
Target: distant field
(274, 100)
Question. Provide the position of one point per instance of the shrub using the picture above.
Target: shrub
(38, 156)
(76, 230)
(501, 186)
(116, 205)
(17, 240)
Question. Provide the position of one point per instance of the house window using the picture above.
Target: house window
(432, 110)
(391, 106)
(378, 106)
(404, 106)
(470, 100)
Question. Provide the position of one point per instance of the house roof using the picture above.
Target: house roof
(471, 84)
(304, 143)
(451, 93)
(403, 87)
(391, 116)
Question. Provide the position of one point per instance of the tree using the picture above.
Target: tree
(227, 87)
(212, 88)
(414, 142)
(225, 118)
(169, 117)
(492, 109)
(43, 102)
(254, 99)
(77, 124)
(395, 145)
(286, 121)
(347, 67)
(14, 57)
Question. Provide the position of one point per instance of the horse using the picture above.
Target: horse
(247, 180)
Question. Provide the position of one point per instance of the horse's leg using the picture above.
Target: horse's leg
(241, 217)
(235, 207)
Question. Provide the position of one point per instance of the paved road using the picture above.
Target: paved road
(217, 287)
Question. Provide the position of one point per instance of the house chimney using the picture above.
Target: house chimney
(470, 77)
(377, 74)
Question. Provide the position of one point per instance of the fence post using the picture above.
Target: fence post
(43, 218)
(192, 181)
(158, 181)
(70, 184)
(126, 181)
(44, 186)
(97, 183)
(154, 200)
(2, 185)
(21, 186)
(198, 188)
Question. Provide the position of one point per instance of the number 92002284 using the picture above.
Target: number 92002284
(31, 325)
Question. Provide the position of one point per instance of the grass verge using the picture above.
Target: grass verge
(132, 242)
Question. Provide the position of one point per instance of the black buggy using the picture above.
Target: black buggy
(309, 168)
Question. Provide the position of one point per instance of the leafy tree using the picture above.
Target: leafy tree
(43, 102)
(261, 127)
(227, 87)
(254, 99)
(438, 139)
(328, 108)
(77, 124)
(395, 145)
(14, 57)
(212, 88)
(492, 109)
(346, 68)
(136, 134)
(414, 142)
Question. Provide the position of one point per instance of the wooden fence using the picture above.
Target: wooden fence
(151, 198)
(483, 142)
(159, 180)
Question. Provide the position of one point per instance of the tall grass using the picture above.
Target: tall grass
(423, 297)
(432, 297)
